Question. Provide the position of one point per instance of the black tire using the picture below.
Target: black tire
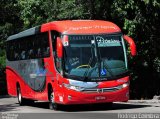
(52, 104)
(21, 100)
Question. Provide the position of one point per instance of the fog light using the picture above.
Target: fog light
(127, 94)
(69, 97)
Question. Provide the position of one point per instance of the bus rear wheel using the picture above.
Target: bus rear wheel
(21, 100)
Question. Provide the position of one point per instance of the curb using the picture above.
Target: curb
(144, 101)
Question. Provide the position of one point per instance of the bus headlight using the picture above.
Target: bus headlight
(72, 87)
(125, 85)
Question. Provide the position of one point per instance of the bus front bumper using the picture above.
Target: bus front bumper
(74, 97)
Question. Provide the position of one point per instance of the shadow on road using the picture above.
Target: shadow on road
(5, 96)
(89, 107)
(102, 107)
(8, 107)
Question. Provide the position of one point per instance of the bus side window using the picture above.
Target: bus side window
(58, 61)
(22, 49)
(10, 52)
(46, 45)
(26, 43)
(30, 47)
(17, 52)
(42, 45)
(54, 37)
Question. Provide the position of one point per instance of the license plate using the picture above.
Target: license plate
(100, 98)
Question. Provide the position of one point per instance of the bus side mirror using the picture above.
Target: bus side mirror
(131, 44)
(59, 48)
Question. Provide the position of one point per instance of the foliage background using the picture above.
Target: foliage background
(139, 19)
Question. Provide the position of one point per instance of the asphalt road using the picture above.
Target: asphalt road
(40, 109)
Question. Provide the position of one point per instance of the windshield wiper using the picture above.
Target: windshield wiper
(75, 77)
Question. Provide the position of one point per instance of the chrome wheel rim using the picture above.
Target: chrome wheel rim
(19, 96)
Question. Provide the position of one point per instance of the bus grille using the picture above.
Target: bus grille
(100, 90)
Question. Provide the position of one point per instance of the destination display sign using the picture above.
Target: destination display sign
(107, 41)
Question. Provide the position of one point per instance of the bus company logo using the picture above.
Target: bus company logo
(100, 90)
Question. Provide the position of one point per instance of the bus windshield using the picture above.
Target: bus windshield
(95, 56)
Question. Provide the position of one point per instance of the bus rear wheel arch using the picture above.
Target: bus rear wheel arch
(22, 101)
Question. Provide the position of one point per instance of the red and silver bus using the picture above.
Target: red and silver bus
(69, 62)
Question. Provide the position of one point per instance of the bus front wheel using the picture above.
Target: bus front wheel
(52, 104)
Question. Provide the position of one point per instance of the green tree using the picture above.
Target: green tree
(41, 11)
(141, 21)
(9, 24)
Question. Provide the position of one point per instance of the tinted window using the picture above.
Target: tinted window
(31, 47)
(58, 61)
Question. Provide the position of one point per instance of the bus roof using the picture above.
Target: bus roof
(71, 27)
(81, 27)
(25, 33)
